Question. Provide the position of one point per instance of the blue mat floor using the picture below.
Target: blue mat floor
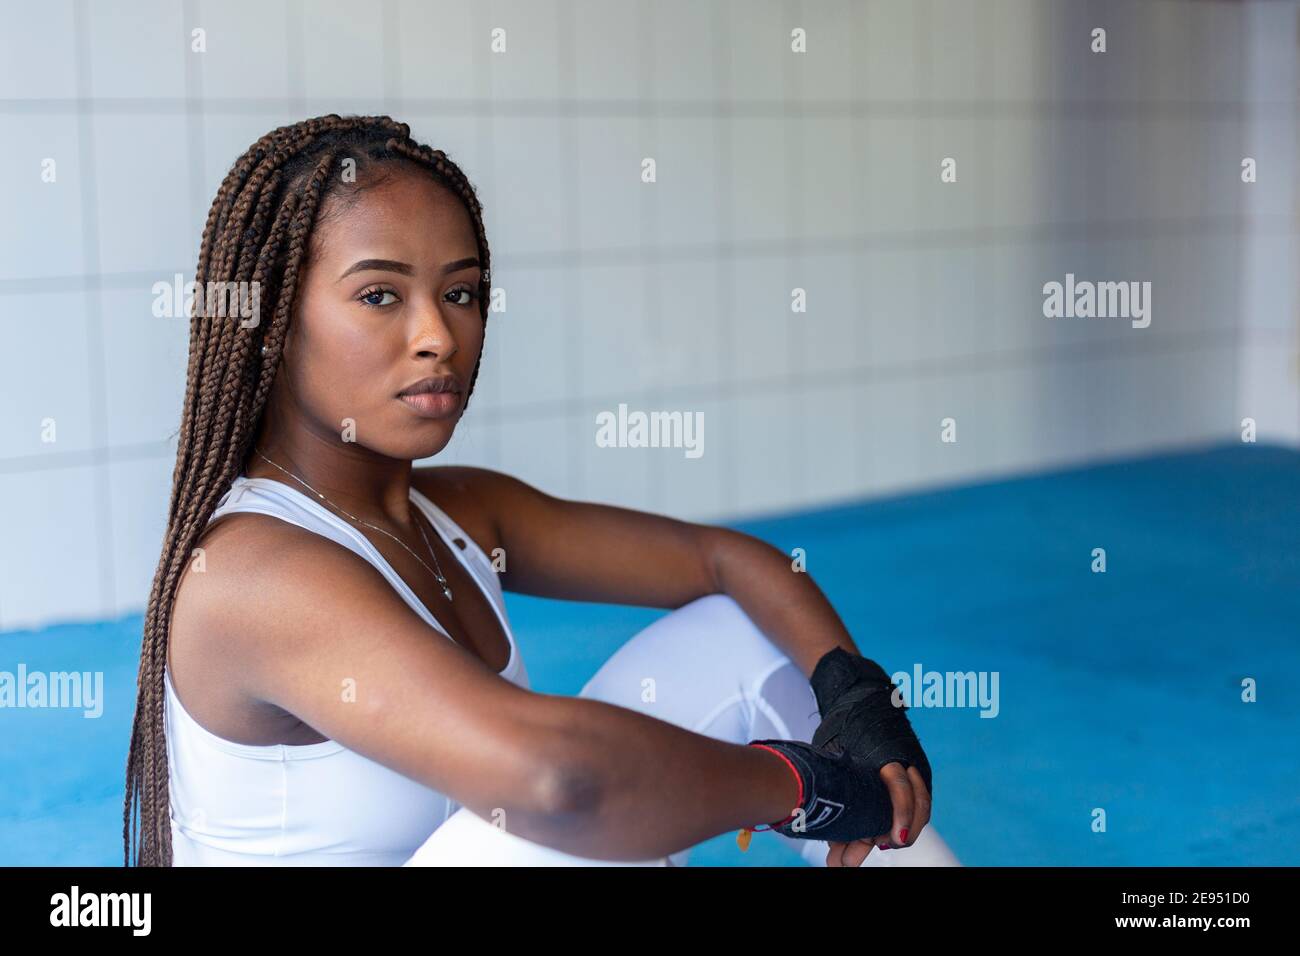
(1119, 691)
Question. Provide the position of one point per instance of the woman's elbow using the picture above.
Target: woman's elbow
(558, 774)
(566, 790)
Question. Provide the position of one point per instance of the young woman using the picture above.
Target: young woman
(328, 676)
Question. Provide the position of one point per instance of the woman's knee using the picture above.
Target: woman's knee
(718, 627)
(702, 651)
(720, 611)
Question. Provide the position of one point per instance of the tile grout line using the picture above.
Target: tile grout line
(751, 249)
(485, 128)
(567, 80)
(391, 68)
(859, 141)
(1008, 360)
(922, 147)
(621, 109)
(724, 139)
(97, 369)
(793, 136)
(648, 129)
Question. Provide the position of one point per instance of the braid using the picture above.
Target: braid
(259, 230)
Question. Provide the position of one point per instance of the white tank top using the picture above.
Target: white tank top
(311, 804)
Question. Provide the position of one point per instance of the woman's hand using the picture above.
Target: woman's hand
(861, 716)
(911, 802)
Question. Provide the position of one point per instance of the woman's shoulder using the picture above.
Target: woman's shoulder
(227, 561)
(228, 589)
(466, 494)
(254, 558)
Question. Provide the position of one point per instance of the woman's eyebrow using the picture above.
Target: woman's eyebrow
(383, 265)
(459, 264)
(392, 265)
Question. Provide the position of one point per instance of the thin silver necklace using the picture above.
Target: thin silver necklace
(437, 574)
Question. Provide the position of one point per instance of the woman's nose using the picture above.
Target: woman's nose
(433, 334)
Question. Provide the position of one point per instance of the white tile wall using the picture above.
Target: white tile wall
(541, 449)
(529, 67)
(609, 49)
(232, 48)
(38, 53)
(955, 46)
(763, 328)
(343, 51)
(45, 374)
(827, 200)
(140, 491)
(142, 184)
(527, 184)
(686, 64)
(829, 71)
(1269, 366)
(680, 207)
(698, 488)
(625, 476)
(137, 48)
(888, 173)
(775, 171)
(760, 189)
(530, 339)
(609, 190)
(437, 59)
(826, 338)
(41, 202)
(52, 564)
(1270, 344)
(685, 345)
(144, 359)
(889, 305)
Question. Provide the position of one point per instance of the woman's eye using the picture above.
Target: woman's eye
(375, 297)
(469, 294)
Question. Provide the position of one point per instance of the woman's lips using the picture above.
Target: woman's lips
(432, 404)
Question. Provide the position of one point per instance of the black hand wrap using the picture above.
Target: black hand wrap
(855, 699)
(861, 731)
(844, 799)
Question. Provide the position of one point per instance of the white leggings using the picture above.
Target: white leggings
(712, 671)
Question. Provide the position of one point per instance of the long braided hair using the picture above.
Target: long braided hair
(258, 230)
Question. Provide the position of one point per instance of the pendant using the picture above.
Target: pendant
(446, 590)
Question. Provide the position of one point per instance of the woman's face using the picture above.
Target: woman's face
(390, 298)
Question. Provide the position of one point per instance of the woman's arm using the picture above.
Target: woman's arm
(309, 627)
(582, 551)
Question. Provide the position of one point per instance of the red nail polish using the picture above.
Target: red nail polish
(903, 834)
